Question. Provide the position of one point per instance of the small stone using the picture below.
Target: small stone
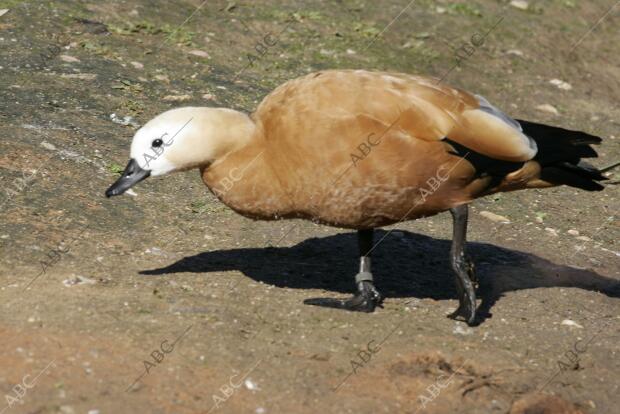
(199, 53)
(551, 231)
(93, 411)
(177, 98)
(162, 78)
(440, 10)
(351, 52)
(568, 322)
(584, 238)
(137, 65)
(514, 52)
(67, 58)
(548, 108)
(573, 232)
(460, 330)
(3, 12)
(80, 76)
(208, 96)
(221, 87)
(154, 250)
(67, 409)
(494, 217)
(520, 4)
(131, 193)
(125, 121)
(561, 84)
(78, 280)
(48, 146)
(250, 385)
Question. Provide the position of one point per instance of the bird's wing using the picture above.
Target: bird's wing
(421, 107)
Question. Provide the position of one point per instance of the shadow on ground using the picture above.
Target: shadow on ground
(405, 265)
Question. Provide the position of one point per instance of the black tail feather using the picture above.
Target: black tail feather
(560, 153)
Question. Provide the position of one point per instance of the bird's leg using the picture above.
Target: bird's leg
(463, 267)
(367, 298)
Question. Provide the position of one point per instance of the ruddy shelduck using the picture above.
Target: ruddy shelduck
(360, 149)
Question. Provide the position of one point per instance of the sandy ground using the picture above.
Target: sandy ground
(167, 302)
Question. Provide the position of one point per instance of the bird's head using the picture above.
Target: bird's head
(182, 139)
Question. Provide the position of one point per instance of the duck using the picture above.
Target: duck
(359, 149)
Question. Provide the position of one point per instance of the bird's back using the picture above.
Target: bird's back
(359, 146)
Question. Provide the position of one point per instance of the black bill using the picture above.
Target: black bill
(133, 174)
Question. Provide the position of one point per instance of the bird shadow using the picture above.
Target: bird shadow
(404, 265)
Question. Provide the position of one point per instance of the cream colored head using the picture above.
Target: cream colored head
(189, 137)
(181, 139)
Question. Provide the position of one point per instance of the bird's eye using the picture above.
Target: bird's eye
(157, 143)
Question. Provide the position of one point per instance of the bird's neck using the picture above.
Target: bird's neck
(243, 178)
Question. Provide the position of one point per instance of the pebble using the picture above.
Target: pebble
(568, 322)
(351, 52)
(80, 76)
(573, 232)
(548, 108)
(515, 52)
(137, 65)
(131, 192)
(177, 98)
(67, 409)
(208, 96)
(154, 250)
(199, 53)
(93, 411)
(126, 120)
(551, 231)
(3, 12)
(163, 78)
(494, 217)
(250, 385)
(584, 238)
(67, 58)
(440, 10)
(520, 4)
(460, 330)
(78, 280)
(561, 84)
(48, 146)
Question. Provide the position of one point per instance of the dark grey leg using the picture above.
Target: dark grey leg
(367, 298)
(463, 267)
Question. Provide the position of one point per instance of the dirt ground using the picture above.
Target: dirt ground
(167, 302)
